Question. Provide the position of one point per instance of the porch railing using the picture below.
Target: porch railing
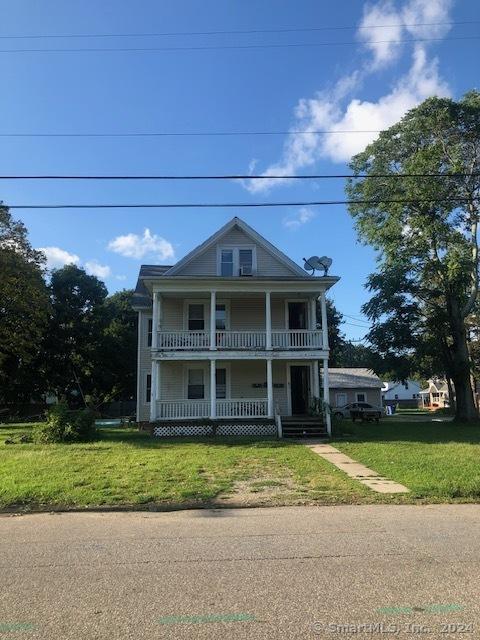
(233, 408)
(255, 408)
(183, 340)
(242, 340)
(297, 339)
(173, 409)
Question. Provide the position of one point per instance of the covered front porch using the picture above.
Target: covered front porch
(217, 389)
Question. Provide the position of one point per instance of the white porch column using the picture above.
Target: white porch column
(268, 320)
(313, 313)
(213, 389)
(156, 314)
(316, 379)
(323, 305)
(326, 395)
(213, 318)
(269, 389)
(154, 389)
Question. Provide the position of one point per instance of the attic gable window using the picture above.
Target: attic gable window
(226, 265)
(236, 261)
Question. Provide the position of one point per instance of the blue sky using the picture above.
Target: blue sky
(337, 87)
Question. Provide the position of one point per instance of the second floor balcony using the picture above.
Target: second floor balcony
(240, 340)
(238, 321)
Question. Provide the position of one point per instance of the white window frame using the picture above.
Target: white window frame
(206, 388)
(236, 258)
(228, 386)
(147, 319)
(206, 316)
(226, 304)
(361, 393)
(145, 387)
(307, 313)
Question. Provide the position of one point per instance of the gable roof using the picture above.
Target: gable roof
(248, 231)
(353, 378)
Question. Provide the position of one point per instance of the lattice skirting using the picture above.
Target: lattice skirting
(221, 430)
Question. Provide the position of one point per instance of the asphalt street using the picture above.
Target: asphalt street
(301, 572)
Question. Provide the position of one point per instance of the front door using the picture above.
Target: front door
(299, 388)
(297, 315)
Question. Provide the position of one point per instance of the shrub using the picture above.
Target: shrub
(64, 425)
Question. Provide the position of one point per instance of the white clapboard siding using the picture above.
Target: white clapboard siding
(206, 263)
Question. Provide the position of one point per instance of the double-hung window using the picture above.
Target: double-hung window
(196, 317)
(245, 262)
(221, 317)
(221, 384)
(148, 389)
(196, 384)
(149, 332)
(226, 262)
(236, 261)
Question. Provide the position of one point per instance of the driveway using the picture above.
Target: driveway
(251, 573)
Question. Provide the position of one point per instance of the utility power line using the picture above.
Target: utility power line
(320, 176)
(234, 32)
(232, 46)
(146, 134)
(353, 318)
(230, 205)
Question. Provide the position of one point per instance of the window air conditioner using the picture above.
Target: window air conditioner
(246, 271)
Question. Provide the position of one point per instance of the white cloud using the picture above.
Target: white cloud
(337, 108)
(58, 258)
(136, 246)
(120, 277)
(298, 219)
(94, 268)
(382, 43)
(415, 19)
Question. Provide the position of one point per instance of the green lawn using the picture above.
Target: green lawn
(125, 467)
(438, 462)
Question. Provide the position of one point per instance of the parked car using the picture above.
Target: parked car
(362, 410)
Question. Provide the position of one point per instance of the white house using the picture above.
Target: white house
(228, 336)
(402, 393)
(436, 395)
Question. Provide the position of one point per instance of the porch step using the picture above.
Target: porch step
(303, 427)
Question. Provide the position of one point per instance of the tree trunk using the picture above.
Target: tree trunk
(465, 410)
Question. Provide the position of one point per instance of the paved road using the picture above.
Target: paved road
(252, 573)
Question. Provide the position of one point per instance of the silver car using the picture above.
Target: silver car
(361, 410)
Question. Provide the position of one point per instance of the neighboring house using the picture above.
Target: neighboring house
(353, 384)
(405, 394)
(229, 334)
(436, 395)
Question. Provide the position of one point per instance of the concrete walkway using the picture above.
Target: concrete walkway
(357, 471)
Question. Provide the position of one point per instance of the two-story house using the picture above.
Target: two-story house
(229, 336)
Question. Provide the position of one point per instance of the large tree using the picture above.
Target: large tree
(75, 336)
(23, 310)
(425, 233)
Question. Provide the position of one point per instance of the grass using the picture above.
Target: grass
(126, 468)
(437, 461)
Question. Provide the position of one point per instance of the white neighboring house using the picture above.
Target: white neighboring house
(402, 393)
(436, 395)
(229, 336)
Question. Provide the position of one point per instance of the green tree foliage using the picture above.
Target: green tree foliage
(23, 310)
(118, 352)
(90, 347)
(426, 285)
(75, 331)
